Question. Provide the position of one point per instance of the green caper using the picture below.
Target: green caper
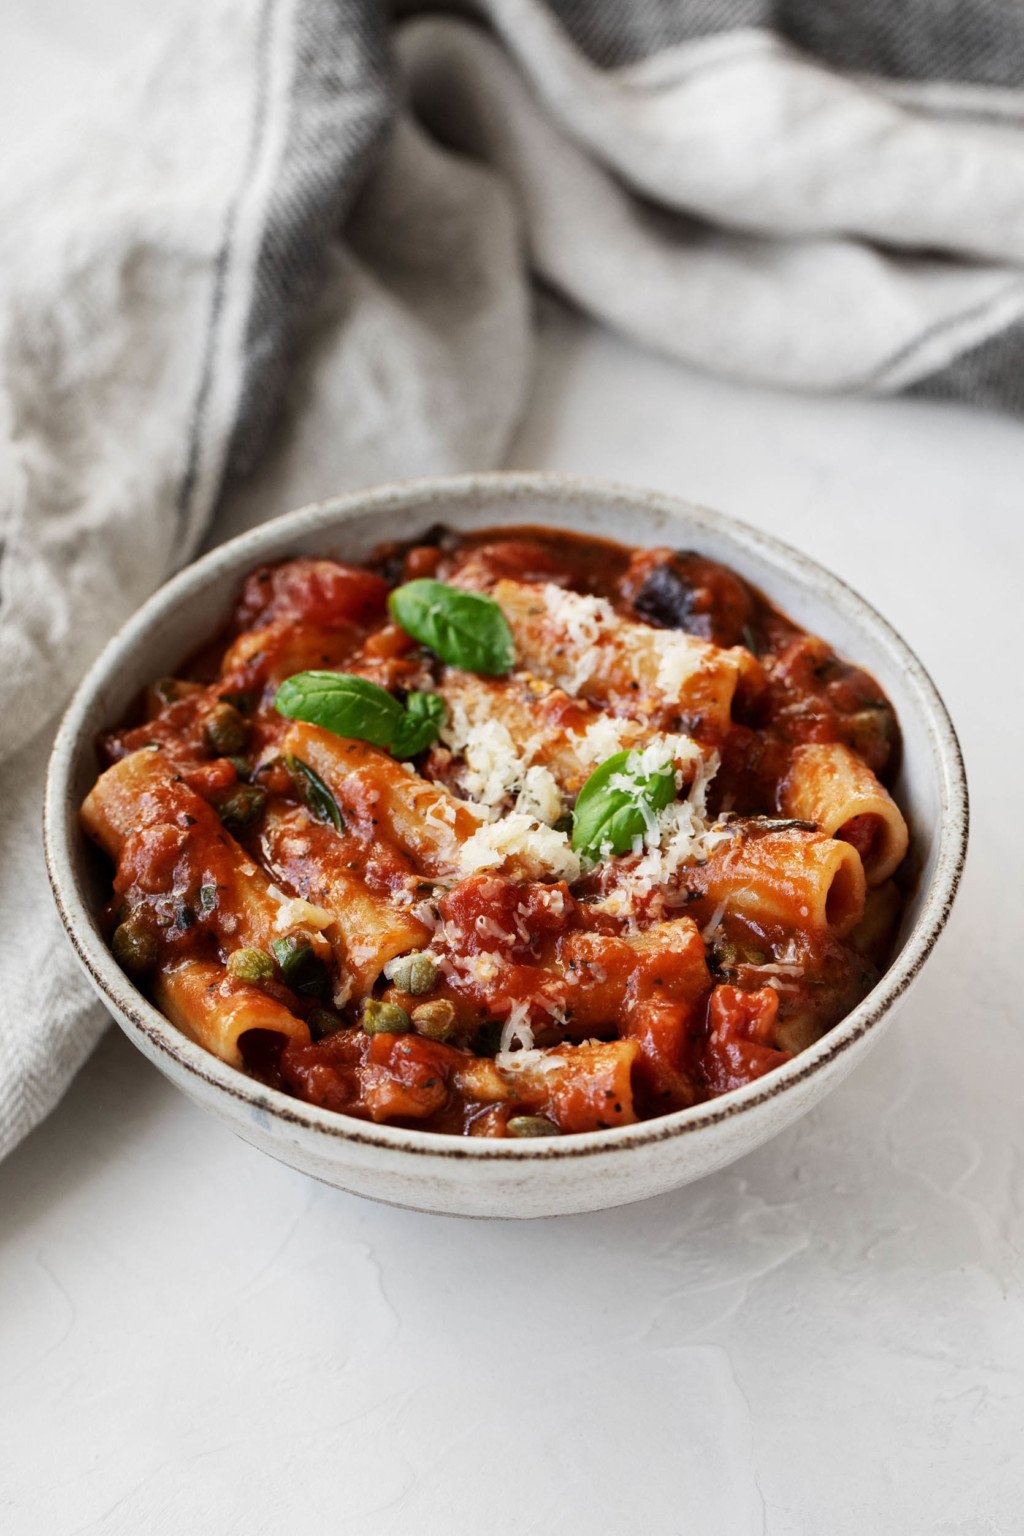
(134, 946)
(301, 967)
(242, 806)
(436, 1019)
(250, 965)
(241, 767)
(167, 690)
(532, 1125)
(224, 730)
(384, 1018)
(323, 1022)
(416, 973)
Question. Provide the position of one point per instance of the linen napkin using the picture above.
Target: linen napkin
(288, 251)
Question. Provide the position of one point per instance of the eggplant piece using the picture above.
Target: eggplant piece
(681, 590)
(664, 598)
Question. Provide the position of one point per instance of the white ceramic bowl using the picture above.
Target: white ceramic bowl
(463, 1176)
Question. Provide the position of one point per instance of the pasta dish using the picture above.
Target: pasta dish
(511, 833)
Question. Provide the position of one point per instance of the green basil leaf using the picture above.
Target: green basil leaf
(419, 725)
(355, 707)
(347, 705)
(466, 629)
(615, 803)
(318, 797)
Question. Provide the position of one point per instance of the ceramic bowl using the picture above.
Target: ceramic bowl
(469, 1177)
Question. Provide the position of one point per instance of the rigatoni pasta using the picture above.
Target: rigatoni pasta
(514, 834)
(829, 784)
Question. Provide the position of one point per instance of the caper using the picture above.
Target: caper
(250, 965)
(166, 690)
(532, 1125)
(242, 806)
(436, 1019)
(726, 954)
(241, 767)
(184, 917)
(323, 1022)
(225, 730)
(384, 1018)
(416, 973)
(134, 946)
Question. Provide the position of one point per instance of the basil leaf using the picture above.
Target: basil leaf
(615, 804)
(301, 969)
(419, 725)
(355, 707)
(466, 629)
(342, 703)
(318, 797)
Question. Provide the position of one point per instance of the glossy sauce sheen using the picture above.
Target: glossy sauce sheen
(634, 1008)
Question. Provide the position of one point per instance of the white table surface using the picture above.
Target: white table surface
(826, 1339)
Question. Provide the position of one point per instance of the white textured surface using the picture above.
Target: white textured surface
(826, 1339)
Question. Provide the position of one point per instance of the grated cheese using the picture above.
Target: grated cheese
(540, 851)
(492, 769)
(516, 1030)
(585, 621)
(680, 656)
(604, 737)
(294, 912)
(540, 796)
(492, 930)
(529, 1061)
(710, 928)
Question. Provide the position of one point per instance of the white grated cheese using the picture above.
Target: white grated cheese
(607, 735)
(585, 620)
(492, 769)
(780, 986)
(482, 968)
(707, 767)
(540, 796)
(679, 657)
(516, 1030)
(603, 737)
(539, 850)
(710, 928)
(492, 930)
(529, 1061)
(294, 912)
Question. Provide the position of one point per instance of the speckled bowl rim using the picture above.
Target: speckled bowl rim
(237, 556)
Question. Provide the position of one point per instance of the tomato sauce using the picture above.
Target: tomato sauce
(623, 1012)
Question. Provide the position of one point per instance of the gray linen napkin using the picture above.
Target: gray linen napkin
(288, 252)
